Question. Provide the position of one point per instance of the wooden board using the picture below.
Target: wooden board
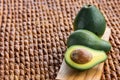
(67, 73)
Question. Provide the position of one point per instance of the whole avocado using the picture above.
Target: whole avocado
(89, 39)
(90, 18)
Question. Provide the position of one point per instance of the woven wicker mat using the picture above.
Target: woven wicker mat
(33, 36)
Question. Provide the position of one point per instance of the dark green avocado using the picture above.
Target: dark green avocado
(89, 39)
(97, 57)
(90, 18)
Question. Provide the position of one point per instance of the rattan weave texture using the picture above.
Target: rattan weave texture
(33, 36)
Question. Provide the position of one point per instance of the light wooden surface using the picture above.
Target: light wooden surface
(67, 73)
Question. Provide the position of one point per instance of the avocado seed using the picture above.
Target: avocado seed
(81, 56)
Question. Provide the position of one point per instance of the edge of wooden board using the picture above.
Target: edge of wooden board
(67, 73)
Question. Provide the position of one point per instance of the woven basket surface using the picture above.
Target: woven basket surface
(33, 36)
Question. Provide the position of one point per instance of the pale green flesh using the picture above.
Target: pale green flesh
(98, 56)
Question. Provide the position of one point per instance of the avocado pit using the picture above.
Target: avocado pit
(81, 56)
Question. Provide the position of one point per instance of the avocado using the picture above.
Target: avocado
(90, 18)
(89, 39)
(92, 58)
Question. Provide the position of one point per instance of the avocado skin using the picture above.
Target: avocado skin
(89, 39)
(90, 18)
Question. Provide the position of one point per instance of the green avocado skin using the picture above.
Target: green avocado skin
(90, 18)
(89, 39)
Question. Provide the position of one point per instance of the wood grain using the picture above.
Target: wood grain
(67, 73)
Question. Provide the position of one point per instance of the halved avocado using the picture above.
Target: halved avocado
(97, 57)
(89, 39)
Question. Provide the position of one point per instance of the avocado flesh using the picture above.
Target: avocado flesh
(90, 18)
(89, 39)
(98, 57)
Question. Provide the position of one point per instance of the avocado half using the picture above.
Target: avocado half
(98, 57)
(89, 39)
(90, 18)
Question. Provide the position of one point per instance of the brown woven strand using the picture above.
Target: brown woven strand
(33, 36)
